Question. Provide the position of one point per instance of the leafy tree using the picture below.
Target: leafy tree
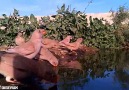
(13, 24)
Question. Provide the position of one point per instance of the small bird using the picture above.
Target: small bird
(65, 41)
(47, 55)
(19, 39)
(49, 43)
(75, 45)
(31, 48)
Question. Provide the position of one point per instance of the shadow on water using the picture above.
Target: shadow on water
(105, 70)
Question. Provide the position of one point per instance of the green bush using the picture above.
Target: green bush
(66, 22)
(121, 21)
(13, 24)
(100, 35)
(121, 15)
(95, 32)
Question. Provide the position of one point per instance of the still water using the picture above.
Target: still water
(105, 70)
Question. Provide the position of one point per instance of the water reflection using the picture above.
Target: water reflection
(105, 70)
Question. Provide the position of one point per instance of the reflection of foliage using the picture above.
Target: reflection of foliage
(71, 77)
(123, 78)
(99, 66)
(122, 69)
(69, 85)
(71, 74)
(106, 60)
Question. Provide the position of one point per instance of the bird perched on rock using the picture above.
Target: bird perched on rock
(19, 39)
(49, 43)
(45, 54)
(65, 41)
(31, 48)
(75, 45)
